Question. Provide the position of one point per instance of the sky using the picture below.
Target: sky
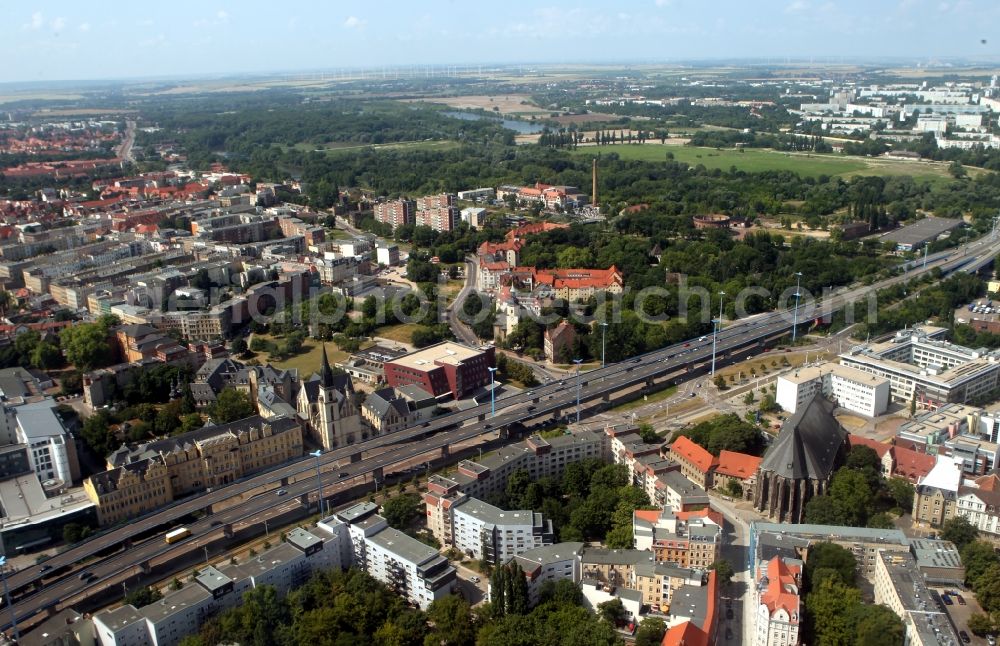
(74, 40)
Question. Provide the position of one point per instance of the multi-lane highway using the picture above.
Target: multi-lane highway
(345, 467)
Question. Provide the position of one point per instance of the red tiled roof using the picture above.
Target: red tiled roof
(685, 634)
(881, 448)
(911, 464)
(648, 515)
(782, 588)
(691, 452)
(737, 465)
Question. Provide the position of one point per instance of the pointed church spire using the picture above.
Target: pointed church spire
(325, 373)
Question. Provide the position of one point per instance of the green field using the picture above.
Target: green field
(758, 160)
(308, 361)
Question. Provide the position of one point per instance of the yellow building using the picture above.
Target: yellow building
(207, 457)
(130, 490)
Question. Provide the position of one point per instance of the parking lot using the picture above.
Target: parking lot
(960, 612)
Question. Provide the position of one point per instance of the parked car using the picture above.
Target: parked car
(960, 599)
(965, 637)
(474, 579)
(947, 600)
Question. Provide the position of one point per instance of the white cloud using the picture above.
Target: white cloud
(84, 26)
(159, 39)
(37, 21)
(796, 6)
(58, 24)
(353, 22)
(662, 3)
(145, 23)
(222, 15)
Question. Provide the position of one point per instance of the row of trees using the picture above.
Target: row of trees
(335, 608)
(726, 433)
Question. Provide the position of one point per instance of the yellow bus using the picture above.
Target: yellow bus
(175, 535)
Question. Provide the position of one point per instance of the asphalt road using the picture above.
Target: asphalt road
(299, 478)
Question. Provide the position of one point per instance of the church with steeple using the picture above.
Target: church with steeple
(326, 405)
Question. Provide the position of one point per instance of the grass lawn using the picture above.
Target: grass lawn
(666, 393)
(401, 332)
(308, 361)
(758, 160)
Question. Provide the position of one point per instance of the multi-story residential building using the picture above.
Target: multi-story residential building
(406, 565)
(474, 216)
(537, 456)
(443, 218)
(558, 340)
(657, 583)
(490, 533)
(688, 539)
(387, 255)
(921, 367)
(396, 213)
(444, 369)
(479, 529)
(677, 492)
(776, 602)
(181, 612)
(936, 495)
(979, 503)
(697, 464)
(614, 567)
(477, 194)
(857, 391)
(556, 562)
(388, 411)
(150, 475)
(900, 585)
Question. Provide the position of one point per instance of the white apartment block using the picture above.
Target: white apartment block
(900, 585)
(181, 612)
(479, 529)
(857, 391)
(51, 449)
(919, 365)
(403, 563)
(550, 563)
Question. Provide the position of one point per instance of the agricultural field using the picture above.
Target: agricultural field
(505, 103)
(758, 160)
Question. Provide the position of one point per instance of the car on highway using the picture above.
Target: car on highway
(282, 492)
(85, 576)
(342, 474)
(44, 568)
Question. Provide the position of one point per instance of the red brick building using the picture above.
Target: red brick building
(443, 369)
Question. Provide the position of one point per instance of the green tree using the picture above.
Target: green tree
(959, 531)
(96, 433)
(231, 405)
(723, 571)
(877, 625)
(851, 496)
(454, 622)
(829, 612)
(87, 345)
(980, 624)
(402, 511)
(143, 596)
(977, 557)
(651, 631)
(834, 557)
(46, 356)
(901, 491)
(612, 611)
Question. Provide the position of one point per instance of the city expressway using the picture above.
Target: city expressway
(112, 555)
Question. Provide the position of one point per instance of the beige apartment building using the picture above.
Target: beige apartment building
(188, 463)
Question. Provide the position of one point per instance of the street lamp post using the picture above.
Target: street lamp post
(319, 481)
(205, 547)
(577, 362)
(798, 294)
(493, 394)
(715, 333)
(604, 328)
(6, 595)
